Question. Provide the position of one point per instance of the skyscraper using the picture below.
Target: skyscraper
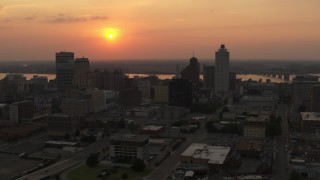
(192, 71)
(64, 69)
(180, 93)
(208, 77)
(315, 98)
(222, 71)
(81, 70)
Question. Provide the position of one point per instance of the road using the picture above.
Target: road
(163, 170)
(282, 161)
(63, 165)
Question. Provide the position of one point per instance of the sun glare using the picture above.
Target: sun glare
(110, 33)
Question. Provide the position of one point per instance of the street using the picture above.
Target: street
(281, 163)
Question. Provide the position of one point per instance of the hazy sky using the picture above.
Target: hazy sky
(160, 29)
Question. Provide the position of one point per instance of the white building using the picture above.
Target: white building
(222, 71)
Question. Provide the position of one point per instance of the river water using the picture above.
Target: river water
(244, 77)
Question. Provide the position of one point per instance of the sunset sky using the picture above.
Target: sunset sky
(160, 29)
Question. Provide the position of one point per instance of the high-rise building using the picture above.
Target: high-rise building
(106, 80)
(315, 99)
(222, 71)
(180, 93)
(208, 77)
(161, 94)
(64, 69)
(80, 73)
(192, 72)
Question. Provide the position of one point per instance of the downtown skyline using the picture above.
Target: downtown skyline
(267, 29)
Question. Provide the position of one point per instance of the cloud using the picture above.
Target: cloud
(61, 18)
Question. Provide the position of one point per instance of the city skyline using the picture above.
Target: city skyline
(127, 30)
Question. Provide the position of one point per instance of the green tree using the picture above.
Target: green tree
(138, 165)
(124, 176)
(294, 175)
(122, 123)
(210, 127)
(92, 160)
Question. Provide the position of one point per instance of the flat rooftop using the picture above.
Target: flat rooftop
(152, 128)
(214, 154)
(129, 138)
(310, 116)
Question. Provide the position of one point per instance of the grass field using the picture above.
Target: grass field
(85, 173)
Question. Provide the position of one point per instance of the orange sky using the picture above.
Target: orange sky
(160, 29)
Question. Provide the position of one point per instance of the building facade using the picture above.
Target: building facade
(129, 146)
(222, 70)
(192, 72)
(208, 76)
(81, 70)
(180, 93)
(64, 69)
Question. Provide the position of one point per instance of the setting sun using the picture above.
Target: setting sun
(111, 33)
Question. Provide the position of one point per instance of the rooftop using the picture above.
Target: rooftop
(214, 154)
(310, 116)
(129, 138)
(152, 128)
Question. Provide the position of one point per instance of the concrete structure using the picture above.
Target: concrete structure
(144, 86)
(249, 147)
(105, 80)
(129, 146)
(76, 106)
(171, 113)
(21, 111)
(80, 74)
(208, 76)
(222, 71)
(310, 121)
(255, 102)
(180, 93)
(315, 99)
(203, 154)
(61, 124)
(161, 94)
(140, 112)
(301, 91)
(192, 72)
(152, 129)
(254, 127)
(64, 69)
(130, 97)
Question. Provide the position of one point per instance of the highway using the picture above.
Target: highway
(63, 165)
(281, 164)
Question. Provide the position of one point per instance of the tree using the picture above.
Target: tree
(294, 175)
(138, 165)
(124, 176)
(92, 160)
(302, 108)
(77, 133)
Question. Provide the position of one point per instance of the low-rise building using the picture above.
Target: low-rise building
(203, 154)
(254, 127)
(152, 129)
(21, 111)
(172, 113)
(249, 147)
(140, 112)
(129, 146)
(60, 125)
(310, 121)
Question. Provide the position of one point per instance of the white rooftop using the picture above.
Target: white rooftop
(214, 154)
(152, 128)
(310, 116)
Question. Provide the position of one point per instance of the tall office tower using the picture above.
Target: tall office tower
(192, 71)
(180, 93)
(232, 81)
(301, 91)
(315, 98)
(80, 73)
(222, 71)
(208, 77)
(64, 69)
